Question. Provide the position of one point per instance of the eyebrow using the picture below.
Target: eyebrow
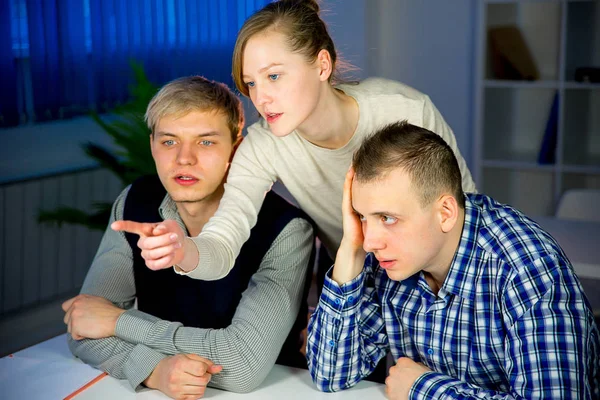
(263, 69)
(200, 135)
(383, 213)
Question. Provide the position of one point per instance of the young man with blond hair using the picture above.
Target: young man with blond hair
(473, 299)
(188, 333)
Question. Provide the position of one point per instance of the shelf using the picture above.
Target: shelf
(526, 1)
(572, 85)
(582, 169)
(582, 37)
(508, 84)
(514, 121)
(536, 1)
(531, 192)
(581, 128)
(539, 23)
(541, 84)
(580, 181)
(522, 165)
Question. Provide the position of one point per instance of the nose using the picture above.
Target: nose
(262, 95)
(186, 155)
(373, 238)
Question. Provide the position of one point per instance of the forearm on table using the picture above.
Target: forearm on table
(249, 346)
(346, 327)
(120, 359)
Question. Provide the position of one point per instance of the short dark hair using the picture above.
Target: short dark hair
(424, 155)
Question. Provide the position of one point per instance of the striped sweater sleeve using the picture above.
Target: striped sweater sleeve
(247, 348)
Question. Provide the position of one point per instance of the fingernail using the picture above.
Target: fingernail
(160, 227)
(177, 245)
(173, 236)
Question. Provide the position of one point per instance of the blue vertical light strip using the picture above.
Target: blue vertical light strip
(182, 26)
(171, 22)
(222, 10)
(87, 26)
(108, 54)
(152, 37)
(96, 56)
(204, 18)
(89, 70)
(9, 107)
(192, 25)
(171, 48)
(146, 50)
(133, 29)
(44, 58)
(213, 20)
(74, 63)
(162, 39)
(122, 74)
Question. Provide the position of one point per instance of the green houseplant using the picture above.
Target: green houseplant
(133, 159)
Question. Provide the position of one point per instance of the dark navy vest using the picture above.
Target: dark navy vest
(210, 304)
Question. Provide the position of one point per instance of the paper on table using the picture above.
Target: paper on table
(52, 372)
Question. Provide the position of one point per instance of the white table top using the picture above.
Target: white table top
(49, 371)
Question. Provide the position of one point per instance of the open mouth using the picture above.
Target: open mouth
(185, 179)
(272, 117)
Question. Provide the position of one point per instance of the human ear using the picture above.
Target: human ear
(324, 65)
(448, 212)
(236, 144)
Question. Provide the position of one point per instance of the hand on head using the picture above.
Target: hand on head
(353, 234)
(161, 242)
(182, 376)
(350, 256)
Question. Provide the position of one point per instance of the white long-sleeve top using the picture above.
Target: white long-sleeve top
(312, 174)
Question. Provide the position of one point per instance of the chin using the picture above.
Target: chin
(396, 275)
(185, 197)
(281, 133)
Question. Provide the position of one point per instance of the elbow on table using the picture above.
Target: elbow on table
(323, 384)
(244, 379)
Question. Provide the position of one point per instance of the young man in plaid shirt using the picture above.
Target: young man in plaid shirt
(473, 299)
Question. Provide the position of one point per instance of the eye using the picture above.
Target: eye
(168, 143)
(207, 143)
(250, 84)
(387, 220)
(360, 216)
(273, 77)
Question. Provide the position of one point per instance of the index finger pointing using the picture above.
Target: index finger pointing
(139, 228)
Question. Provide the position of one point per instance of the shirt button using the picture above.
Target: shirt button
(331, 343)
(350, 299)
(430, 351)
(338, 301)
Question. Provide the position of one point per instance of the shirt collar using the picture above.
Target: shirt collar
(168, 210)
(461, 279)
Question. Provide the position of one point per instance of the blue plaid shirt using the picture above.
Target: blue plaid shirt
(510, 321)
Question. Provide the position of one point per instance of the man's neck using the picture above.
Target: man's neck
(196, 214)
(436, 275)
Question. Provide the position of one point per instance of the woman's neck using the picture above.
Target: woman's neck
(334, 120)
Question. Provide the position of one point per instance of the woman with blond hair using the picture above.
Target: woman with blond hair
(285, 61)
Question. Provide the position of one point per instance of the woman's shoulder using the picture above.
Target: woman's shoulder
(382, 86)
